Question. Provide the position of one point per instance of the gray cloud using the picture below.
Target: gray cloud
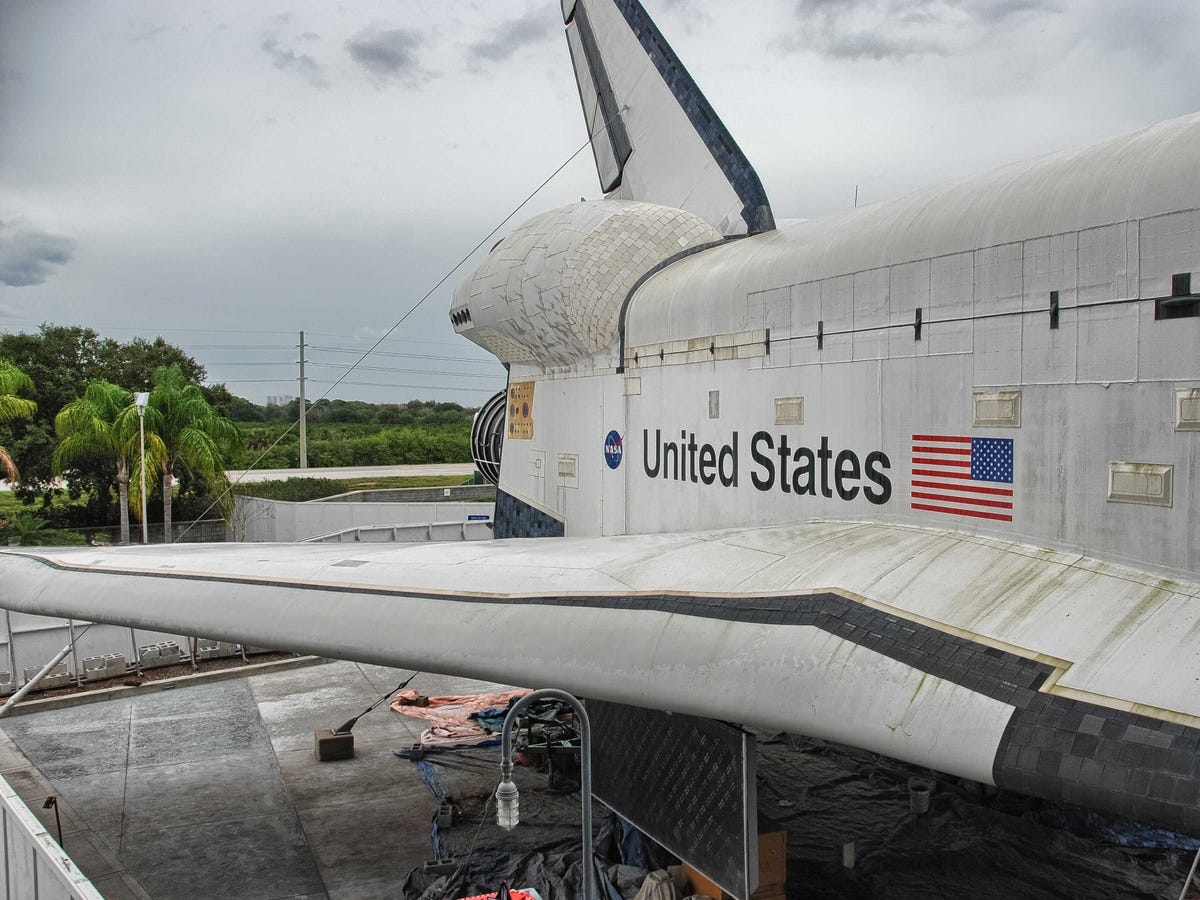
(509, 37)
(386, 53)
(287, 60)
(900, 29)
(145, 31)
(28, 256)
(877, 45)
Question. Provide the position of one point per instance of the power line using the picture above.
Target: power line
(282, 362)
(424, 387)
(217, 381)
(404, 371)
(474, 359)
(412, 309)
(241, 347)
(142, 329)
(398, 340)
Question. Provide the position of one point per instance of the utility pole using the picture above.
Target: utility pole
(303, 411)
(140, 400)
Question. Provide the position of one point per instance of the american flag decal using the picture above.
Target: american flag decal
(963, 476)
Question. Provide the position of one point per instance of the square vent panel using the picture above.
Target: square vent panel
(997, 409)
(568, 469)
(1146, 483)
(1187, 410)
(789, 410)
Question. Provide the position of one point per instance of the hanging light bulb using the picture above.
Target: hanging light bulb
(507, 805)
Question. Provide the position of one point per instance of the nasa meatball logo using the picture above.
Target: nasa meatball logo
(613, 449)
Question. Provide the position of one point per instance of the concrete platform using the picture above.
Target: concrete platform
(247, 476)
(214, 791)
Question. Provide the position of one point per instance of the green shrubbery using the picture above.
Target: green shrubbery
(296, 490)
(63, 361)
(356, 445)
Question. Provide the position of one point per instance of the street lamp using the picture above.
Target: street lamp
(507, 795)
(140, 399)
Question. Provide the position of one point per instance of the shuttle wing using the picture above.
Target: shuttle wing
(961, 653)
(655, 136)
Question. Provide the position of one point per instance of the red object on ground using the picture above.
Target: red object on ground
(515, 895)
(449, 717)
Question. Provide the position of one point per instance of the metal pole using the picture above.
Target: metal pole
(37, 679)
(12, 651)
(1191, 873)
(506, 793)
(141, 411)
(74, 653)
(303, 411)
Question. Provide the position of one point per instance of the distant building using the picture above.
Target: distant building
(279, 400)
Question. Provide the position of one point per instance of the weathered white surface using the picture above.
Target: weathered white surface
(406, 534)
(32, 865)
(670, 163)
(1133, 177)
(252, 475)
(259, 519)
(1137, 645)
(551, 292)
(1106, 228)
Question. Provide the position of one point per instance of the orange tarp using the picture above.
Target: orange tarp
(449, 717)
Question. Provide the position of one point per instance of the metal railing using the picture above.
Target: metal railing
(34, 866)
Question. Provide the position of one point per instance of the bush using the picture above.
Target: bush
(296, 490)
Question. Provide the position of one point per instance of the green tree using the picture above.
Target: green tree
(194, 437)
(103, 425)
(12, 381)
(62, 360)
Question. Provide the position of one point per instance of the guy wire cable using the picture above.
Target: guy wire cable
(412, 309)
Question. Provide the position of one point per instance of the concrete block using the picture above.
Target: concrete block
(169, 653)
(59, 676)
(208, 649)
(164, 653)
(95, 668)
(115, 664)
(438, 867)
(6, 684)
(329, 746)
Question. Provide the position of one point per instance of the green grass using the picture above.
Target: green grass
(402, 481)
(313, 488)
(10, 505)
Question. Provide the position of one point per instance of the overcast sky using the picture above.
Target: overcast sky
(226, 174)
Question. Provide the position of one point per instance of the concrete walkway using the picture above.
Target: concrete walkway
(213, 791)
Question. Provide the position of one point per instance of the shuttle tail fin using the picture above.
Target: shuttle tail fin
(655, 136)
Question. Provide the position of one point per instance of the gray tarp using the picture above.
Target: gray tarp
(973, 843)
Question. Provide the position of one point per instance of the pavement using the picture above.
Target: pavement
(246, 476)
(214, 791)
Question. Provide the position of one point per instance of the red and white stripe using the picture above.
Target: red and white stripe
(941, 480)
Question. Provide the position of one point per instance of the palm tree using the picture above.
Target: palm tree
(12, 407)
(103, 424)
(194, 436)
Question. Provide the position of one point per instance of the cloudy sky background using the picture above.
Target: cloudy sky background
(226, 174)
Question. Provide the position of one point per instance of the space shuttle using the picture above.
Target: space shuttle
(921, 477)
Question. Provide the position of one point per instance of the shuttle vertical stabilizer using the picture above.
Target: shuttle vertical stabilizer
(654, 135)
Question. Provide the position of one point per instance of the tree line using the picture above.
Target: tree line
(75, 422)
(67, 409)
